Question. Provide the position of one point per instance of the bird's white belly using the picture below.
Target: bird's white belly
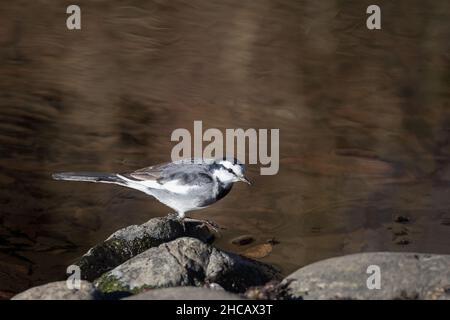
(180, 203)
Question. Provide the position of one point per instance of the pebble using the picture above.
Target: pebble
(243, 240)
(401, 219)
(259, 251)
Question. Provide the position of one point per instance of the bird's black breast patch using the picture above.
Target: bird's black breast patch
(222, 192)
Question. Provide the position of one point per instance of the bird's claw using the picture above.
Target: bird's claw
(213, 225)
(208, 223)
(173, 215)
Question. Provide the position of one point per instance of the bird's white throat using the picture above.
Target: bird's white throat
(224, 175)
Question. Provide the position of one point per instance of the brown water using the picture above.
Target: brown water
(364, 120)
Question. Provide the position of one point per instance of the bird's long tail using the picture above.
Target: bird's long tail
(89, 177)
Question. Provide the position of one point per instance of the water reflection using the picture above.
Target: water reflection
(364, 123)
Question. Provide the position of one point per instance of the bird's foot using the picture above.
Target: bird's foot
(173, 215)
(208, 223)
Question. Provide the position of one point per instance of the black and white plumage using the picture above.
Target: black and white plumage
(183, 185)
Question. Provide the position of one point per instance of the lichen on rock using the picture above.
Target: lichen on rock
(186, 262)
(402, 276)
(60, 291)
(133, 240)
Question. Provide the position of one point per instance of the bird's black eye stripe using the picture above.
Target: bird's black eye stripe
(230, 171)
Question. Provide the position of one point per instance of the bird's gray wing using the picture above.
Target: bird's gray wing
(176, 176)
(148, 173)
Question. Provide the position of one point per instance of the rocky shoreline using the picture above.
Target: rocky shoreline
(168, 259)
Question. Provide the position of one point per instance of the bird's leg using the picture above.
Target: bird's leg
(173, 215)
(182, 217)
(210, 224)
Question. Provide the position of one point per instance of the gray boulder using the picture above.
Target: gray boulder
(185, 262)
(184, 293)
(60, 291)
(133, 240)
(403, 276)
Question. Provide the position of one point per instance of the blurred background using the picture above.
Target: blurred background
(364, 121)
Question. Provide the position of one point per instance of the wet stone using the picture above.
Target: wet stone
(243, 240)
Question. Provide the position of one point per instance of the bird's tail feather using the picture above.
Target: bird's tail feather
(89, 177)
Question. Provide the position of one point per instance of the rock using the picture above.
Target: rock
(272, 290)
(59, 291)
(401, 219)
(133, 240)
(184, 293)
(445, 221)
(402, 242)
(273, 241)
(6, 295)
(403, 276)
(399, 231)
(186, 262)
(242, 240)
(214, 286)
(259, 251)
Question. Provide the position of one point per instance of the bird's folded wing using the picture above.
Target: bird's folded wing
(144, 178)
(150, 173)
(160, 170)
(163, 170)
(177, 177)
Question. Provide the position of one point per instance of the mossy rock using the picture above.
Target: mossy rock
(133, 240)
(186, 262)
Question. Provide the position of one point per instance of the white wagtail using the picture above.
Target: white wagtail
(183, 185)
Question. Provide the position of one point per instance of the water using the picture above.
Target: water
(364, 122)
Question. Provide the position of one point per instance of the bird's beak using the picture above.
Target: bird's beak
(244, 179)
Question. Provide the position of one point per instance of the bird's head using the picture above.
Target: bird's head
(229, 170)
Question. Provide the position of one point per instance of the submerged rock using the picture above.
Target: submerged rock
(185, 293)
(259, 251)
(401, 219)
(242, 240)
(402, 276)
(133, 240)
(186, 262)
(273, 290)
(60, 291)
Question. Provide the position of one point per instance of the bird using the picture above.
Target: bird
(184, 185)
